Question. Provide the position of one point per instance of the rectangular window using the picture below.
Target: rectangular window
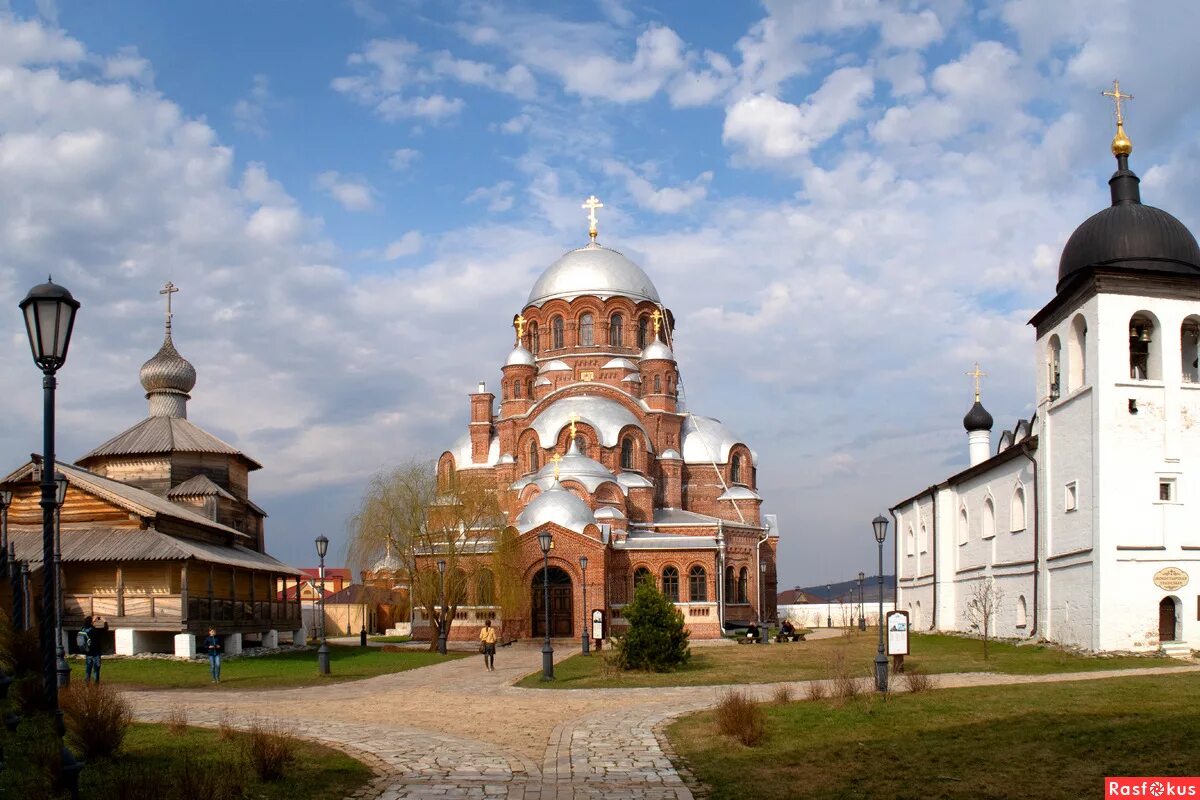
(1167, 489)
(1071, 501)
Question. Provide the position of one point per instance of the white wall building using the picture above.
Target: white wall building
(1087, 517)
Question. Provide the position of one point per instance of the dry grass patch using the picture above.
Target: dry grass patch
(816, 690)
(269, 750)
(782, 695)
(741, 718)
(177, 720)
(97, 718)
(916, 681)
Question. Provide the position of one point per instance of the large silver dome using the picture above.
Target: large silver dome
(592, 270)
(578, 467)
(559, 506)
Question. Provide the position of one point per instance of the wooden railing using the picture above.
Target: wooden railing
(168, 607)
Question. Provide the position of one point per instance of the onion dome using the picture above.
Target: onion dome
(977, 419)
(609, 514)
(577, 467)
(520, 357)
(556, 505)
(657, 350)
(592, 270)
(168, 371)
(1129, 235)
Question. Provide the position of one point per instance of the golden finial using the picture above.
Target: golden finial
(168, 289)
(591, 204)
(977, 373)
(656, 318)
(1121, 146)
(556, 458)
(573, 419)
(519, 322)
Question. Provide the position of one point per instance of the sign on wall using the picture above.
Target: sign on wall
(1170, 579)
(597, 624)
(897, 633)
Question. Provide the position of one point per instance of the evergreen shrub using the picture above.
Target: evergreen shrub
(656, 639)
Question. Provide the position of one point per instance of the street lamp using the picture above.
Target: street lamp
(323, 650)
(60, 662)
(5, 501)
(441, 565)
(828, 607)
(49, 311)
(586, 615)
(8, 555)
(862, 617)
(546, 541)
(880, 524)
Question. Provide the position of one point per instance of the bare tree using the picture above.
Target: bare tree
(982, 607)
(406, 512)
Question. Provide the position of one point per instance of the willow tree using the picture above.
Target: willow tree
(404, 511)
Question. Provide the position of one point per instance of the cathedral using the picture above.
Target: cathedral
(1081, 524)
(591, 442)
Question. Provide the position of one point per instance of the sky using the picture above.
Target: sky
(845, 205)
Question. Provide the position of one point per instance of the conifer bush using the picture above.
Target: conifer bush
(656, 639)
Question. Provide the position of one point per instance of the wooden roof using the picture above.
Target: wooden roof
(158, 435)
(199, 486)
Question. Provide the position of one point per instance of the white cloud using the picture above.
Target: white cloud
(250, 112)
(661, 200)
(402, 158)
(518, 124)
(770, 129)
(128, 65)
(353, 194)
(408, 244)
(29, 42)
(498, 197)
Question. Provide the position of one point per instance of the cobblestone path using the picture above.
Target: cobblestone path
(454, 730)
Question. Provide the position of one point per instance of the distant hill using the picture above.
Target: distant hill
(841, 591)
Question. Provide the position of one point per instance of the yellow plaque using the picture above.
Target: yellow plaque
(1170, 579)
(587, 376)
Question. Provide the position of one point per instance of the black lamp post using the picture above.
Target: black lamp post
(546, 541)
(8, 555)
(862, 617)
(441, 565)
(880, 524)
(828, 607)
(323, 650)
(586, 615)
(49, 312)
(60, 665)
(5, 501)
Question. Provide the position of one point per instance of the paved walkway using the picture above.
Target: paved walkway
(453, 730)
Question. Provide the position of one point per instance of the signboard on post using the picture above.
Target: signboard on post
(897, 633)
(597, 624)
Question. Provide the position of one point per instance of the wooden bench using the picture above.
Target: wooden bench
(746, 640)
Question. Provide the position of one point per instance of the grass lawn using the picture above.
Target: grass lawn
(798, 661)
(1045, 741)
(151, 751)
(283, 670)
(391, 639)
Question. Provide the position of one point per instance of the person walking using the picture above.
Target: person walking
(89, 642)
(212, 646)
(487, 636)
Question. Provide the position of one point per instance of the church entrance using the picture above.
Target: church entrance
(560, 604)
(1166, 620)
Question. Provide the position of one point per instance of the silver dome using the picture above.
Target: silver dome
(657, 349)
(739, 493)
(520, 357)
(168, 371)
(632, 480)
(461, 450)
(592, 270)
(555, 365)
(670, 454)
(706, 440)
(389, 563)
(577, 467)
(556, 505)
(607, 417)
(620, 363)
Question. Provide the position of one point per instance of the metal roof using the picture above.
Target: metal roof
(199, 486)
(155, 435)
(650, 541)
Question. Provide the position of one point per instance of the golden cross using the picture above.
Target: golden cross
(573, 418)
(556, 458)
(657, 318)
(519, 321)
(976, 373)
(591, 204)
(1117, 97)
(169, 289)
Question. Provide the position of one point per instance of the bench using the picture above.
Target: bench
(746, 640)
(789, 637)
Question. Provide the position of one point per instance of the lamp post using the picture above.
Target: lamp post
(60, 662)
(586, 615)
(862, 617)
(545, 541)
(441, 565)
(323, 650)
(8, 555)
(828, 608)
(5, 501)
(49, 312)
(880, 524)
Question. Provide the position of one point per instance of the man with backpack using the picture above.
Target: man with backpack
(87, 641)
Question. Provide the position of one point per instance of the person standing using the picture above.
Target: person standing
(487, 635)
(212, 646)
(89, 641)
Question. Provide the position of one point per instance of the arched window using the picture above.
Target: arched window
(533, 337)
(697, 584)
(615, 323)
(743, 586)
(533, 456)
(1144, 357)
(964, 532)
(581, 443)
(485, 588)
(989, 518)
(627, 453)
(658, 384)
(670, 583)
(641, 574)
(516, 389)
(735, 470)
(556, 333)
(730, 586)
(1077, 354)
(643, 332)
(910, 544)
(1017, 510)
(1189, 350)
(586, 331)
(1053, 367)
(456, 588)
(924, 541)
(1022, 613)
(529, 389)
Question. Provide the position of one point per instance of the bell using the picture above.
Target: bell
(1146, 334)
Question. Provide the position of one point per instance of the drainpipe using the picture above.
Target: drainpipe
(721, 576)
(762, 593)
(933, 546)
(1037, 567)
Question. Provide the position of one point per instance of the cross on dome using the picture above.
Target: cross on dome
(556, 458)
(657, 318)
(573, 419)
(1117, 95)
(1121, 145)
(977, 374)
(168, 289)
(519, 321)
(591, 204)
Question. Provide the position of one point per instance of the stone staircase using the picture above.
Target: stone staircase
(1176, 650)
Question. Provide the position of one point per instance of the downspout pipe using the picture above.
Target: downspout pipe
(933, 547)
(762, 589)
(1037, 564)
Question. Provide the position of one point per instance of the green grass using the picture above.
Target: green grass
(282, 670)
(391, 639)
(1054, 740)
(798, 661)
(151, 750)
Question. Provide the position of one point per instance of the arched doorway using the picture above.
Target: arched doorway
(561, 615)
(1167, 620)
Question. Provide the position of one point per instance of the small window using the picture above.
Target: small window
(1017, 510)
(586, 337)
(697, 584)
(1071, 498)
(743, 586)
(964, 531)
(533, 337)
(1022, 614)
(517, 389)
(1166, 490)
(556, 333)
(735, 471)
(670, 583)
(989, 518)
(615, 323)
(730, 586)
(643, 332)
(910, 547)
(626, 453)
(533, 456)
(1189, 337)
(924, 543)
(657, 384)
(642, 574)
